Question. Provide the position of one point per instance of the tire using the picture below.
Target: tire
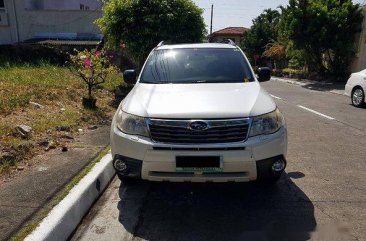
(274, 180)
(127, 180)
(270, 181)
(358, 97)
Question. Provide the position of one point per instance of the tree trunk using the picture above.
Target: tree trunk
(90, 91)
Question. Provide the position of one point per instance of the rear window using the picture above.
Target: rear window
(201, 65)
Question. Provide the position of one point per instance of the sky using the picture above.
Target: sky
(238, 13)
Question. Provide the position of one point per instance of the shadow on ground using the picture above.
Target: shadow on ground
(358, 108)
(183, 211)
(321, 86)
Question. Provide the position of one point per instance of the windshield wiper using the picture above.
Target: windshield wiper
(153, 82)
(214, 81)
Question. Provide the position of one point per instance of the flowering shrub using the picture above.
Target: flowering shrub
(92, 66)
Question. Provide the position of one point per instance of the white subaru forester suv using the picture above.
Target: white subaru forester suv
(197, 113)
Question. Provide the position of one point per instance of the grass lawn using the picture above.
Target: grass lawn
(60, 93)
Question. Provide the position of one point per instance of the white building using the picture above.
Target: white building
(63, 4)
(22, 20)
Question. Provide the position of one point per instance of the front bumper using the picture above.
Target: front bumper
(157, 161)
(348, 90)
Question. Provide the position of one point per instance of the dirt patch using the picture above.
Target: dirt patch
(48, 100)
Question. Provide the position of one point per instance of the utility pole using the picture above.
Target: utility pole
(211, 19)
(16, 21)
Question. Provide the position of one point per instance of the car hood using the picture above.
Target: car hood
(198, 101)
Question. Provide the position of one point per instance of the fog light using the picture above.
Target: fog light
(278, 165)
(120, 165)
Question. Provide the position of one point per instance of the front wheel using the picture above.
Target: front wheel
(127, 180)
(358, 97)
(270, 181)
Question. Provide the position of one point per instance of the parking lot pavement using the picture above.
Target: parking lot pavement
(322, 195)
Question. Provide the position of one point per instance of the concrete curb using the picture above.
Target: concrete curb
(294, 82)
(65, 216)
(289, 81)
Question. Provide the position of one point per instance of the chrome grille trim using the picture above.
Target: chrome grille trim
(179, 131)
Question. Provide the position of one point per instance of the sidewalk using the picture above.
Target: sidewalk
(335, 88)
(28, 194)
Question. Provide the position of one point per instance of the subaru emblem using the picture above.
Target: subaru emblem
(198, 126)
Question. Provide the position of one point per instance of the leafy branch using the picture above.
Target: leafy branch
(92, 66)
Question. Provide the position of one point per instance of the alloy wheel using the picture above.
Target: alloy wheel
(357, 97)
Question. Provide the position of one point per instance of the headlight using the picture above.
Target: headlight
(267, 124)
(131, 124)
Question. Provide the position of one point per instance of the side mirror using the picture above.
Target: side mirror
(130, 76)
(264, 74)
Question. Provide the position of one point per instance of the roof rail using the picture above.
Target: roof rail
(161, 44)
(229, 41)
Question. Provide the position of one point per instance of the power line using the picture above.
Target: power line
(211, 19)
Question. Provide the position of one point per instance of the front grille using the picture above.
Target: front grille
(204, 175)
(169, 148)
(179, 131)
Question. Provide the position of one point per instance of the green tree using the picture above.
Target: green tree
(325, 31)
(263, 32)
(142, 24)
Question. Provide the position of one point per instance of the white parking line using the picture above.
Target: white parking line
(315, 112)
(276, 97)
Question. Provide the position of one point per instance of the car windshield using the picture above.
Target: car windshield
(199, 65)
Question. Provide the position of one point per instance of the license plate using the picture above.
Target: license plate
(204, 164)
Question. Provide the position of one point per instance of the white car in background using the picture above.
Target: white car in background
(356, 87)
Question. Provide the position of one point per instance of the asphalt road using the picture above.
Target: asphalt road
(322, 195)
